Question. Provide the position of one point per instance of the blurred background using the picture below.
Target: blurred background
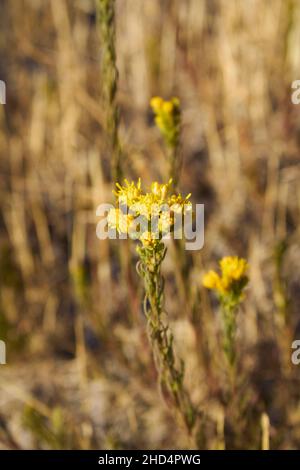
(79, 370)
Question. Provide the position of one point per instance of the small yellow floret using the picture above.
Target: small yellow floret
(211, 280)
(233, 267)
(168, 107)
(156, 103)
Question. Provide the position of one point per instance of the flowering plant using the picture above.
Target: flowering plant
(135, 217)
(147, 216)
(230, 287)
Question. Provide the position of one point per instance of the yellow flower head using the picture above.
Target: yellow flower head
(233, 267)
(233, 277)
(211, 280)
(156, 103)
(151, 215)
(167, 118)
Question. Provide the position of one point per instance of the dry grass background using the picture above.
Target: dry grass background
(79, 372)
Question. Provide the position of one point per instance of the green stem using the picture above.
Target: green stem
(106, 21)
(160, 335)
(229, 341)
(229, 324)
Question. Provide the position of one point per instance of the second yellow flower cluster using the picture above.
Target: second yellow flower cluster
(167, 118)
(233, 275)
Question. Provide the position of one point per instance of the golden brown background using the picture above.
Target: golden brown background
(79, 371)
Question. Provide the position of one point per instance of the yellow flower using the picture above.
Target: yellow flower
(160, 191)
(211, 280)
(156, 103)
(179, 204)
(151, 203)
(168, 107)
(157, 206)
(233, 267)
(129, 193)
(162, 107)
(233, 277)
(167, 118)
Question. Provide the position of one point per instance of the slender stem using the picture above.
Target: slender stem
(106, 21)
(229, 322)
(173, 156)
(160, 335)
(229, 346)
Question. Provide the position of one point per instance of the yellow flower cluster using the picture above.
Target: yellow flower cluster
(137, 209)
(167, 118)
(233, 276)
